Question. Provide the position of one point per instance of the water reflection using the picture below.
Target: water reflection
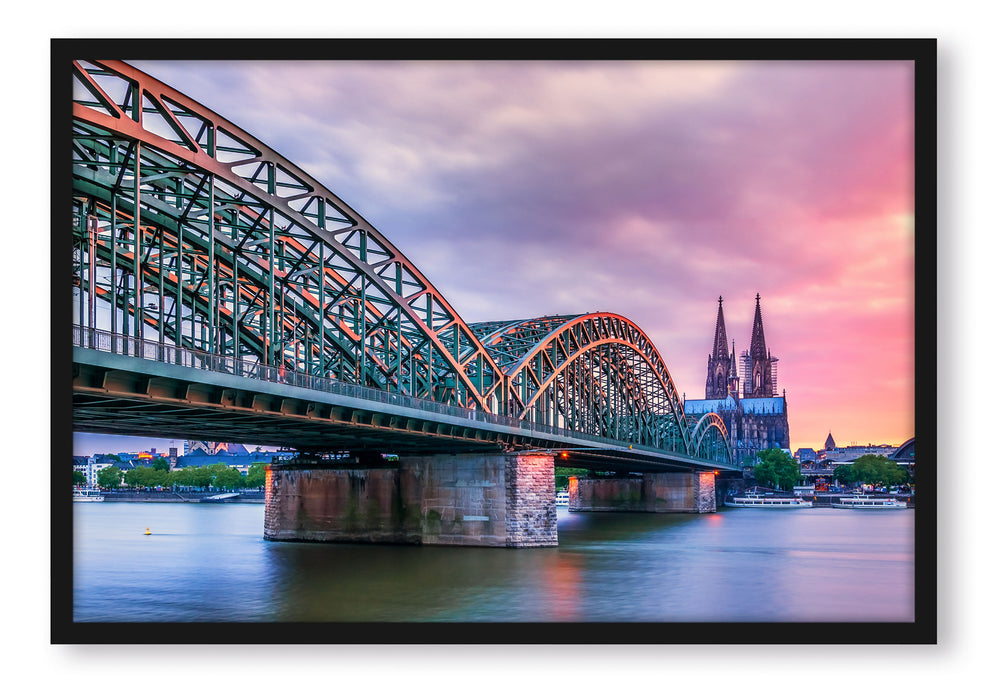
(402, 583)
(210, 562)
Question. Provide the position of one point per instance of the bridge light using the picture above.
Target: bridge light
(563, 455)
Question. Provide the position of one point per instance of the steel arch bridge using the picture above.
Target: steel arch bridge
(189, 232)
(597, 373)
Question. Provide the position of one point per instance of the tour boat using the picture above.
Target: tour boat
(563, 498)
(86, 496)
(753, 501)
(867, 503)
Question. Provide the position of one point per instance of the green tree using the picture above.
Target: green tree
(109, 478)
(78, 478)
(777, 469)
(765, 475)
(182, 477)
(160, 463)
(256, 475)
(203, 477)
(228, 478)
(146, 476)
(894, 475)
(200, 477)
(876, 469)
(846, 474)
(562, 476)
(217, 469)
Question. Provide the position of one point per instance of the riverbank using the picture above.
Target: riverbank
(819, 500)
(253, 496)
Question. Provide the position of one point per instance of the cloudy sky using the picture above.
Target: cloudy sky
(647, 189)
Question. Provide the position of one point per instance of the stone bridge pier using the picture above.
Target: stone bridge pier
(477, 499)
(648, 493)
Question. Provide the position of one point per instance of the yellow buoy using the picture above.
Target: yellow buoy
(147, 530)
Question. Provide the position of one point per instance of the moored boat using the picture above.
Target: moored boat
(563, 498)
(868, 503)
(756, 501)
(86, 495)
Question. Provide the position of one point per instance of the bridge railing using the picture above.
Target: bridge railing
(251, 368)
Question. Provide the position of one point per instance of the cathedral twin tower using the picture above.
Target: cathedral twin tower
(754, 415)
(759, 375)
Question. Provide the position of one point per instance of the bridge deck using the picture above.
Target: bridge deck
(128, 395)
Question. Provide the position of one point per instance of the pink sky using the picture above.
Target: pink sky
(642, 188)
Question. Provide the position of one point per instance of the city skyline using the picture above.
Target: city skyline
(88, 444)
(647, 189)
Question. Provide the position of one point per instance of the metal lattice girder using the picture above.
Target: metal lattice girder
(191, 233)
(596, 373)
(711, 439)
(191, 230)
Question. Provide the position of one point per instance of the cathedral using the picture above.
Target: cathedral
(754, 415)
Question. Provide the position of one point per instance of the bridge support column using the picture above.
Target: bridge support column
(486, 500)
(649, 493)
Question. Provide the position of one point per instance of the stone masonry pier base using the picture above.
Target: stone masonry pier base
(485, 500)
(649, 493)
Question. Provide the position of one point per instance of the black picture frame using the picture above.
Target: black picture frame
(923, 52)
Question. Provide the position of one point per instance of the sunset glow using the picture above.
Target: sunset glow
(646, 189)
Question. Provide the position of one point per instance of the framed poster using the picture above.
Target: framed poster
(413, 340)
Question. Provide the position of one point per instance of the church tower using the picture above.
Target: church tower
(721, 366)
(755, 416)
(829, 442)
(760, 368)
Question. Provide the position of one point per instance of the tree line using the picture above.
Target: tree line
(777, 469)
(871, 469)
(216, 475)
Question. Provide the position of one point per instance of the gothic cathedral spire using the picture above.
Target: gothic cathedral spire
(760, 380)
(720, 348)
(758, 344)
(742, 389)
(719, 362)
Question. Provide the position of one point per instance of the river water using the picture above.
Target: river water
(210, 563)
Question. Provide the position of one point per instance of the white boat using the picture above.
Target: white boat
(563, 498)
(754, 501)
(867, 503)
(86, 495)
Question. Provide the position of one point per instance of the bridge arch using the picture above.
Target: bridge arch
(597, 373)
(190, 231)
(710, 439)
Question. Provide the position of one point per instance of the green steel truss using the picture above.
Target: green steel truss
(189, 231)
(234, 250)
(709, 438)
(597, 373)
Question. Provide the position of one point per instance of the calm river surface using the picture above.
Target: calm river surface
(209, 563)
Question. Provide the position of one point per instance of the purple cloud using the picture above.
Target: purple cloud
(648, 189)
